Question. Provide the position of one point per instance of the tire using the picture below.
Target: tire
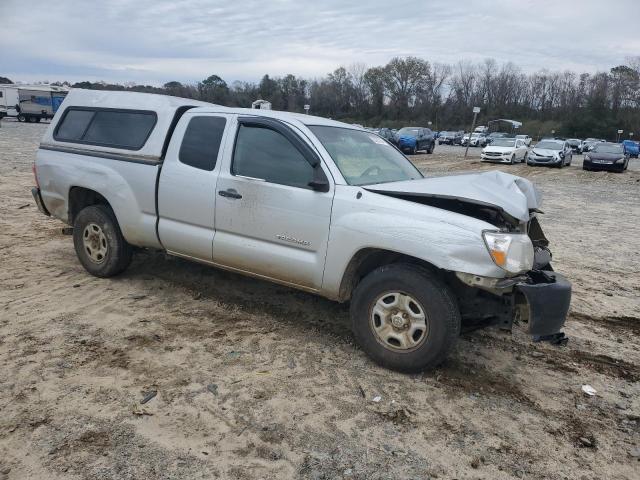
(37, 119)
(414, 150)
(431, 148)
(513, 159)
(525, 159)
(428, 294)
(21, 118)
(105, 253)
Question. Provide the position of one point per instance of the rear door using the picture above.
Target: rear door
(186, 191)
(269, 221)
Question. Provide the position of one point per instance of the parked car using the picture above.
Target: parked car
(412, 139)
(505, 150)
(554, 153)
(589, 143)
(606, 156)
(525, 138)
(307, 202)
(477, 139)
(387, 134)
(493, 135)
(450, 138)
(631, 148)
(575, 144)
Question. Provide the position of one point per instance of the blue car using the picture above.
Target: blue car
(631, 148)
(412, 139)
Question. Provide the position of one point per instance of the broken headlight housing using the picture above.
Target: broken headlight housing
(512, 252)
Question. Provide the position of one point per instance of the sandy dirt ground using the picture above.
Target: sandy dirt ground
(255, 380)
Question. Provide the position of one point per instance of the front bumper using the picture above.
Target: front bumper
(506, 158)
(615, 167)
(547, 296)
(544, 161)
(35, 191)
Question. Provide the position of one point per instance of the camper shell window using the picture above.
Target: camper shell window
(107, 127)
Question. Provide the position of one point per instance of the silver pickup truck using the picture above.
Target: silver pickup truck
(307, 202)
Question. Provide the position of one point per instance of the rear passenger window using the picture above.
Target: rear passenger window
(201, 142)
(266, 154)
(126, 129)
(73, 125)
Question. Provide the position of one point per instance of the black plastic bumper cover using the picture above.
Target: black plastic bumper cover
(548, 303)
(35, 191)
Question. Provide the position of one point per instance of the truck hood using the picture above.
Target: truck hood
(501, 191)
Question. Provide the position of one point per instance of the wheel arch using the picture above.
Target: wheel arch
(366, 260)
(82, 197)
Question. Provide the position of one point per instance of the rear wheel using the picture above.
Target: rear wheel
(404, 317)
(21, 118)
(430, 149)
(98, 241)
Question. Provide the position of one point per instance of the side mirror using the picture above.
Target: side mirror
(319, 183)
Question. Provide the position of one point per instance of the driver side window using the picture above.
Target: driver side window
(266, 154)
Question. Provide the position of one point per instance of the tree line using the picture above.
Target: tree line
(415, 91)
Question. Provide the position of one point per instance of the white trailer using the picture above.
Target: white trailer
(30, 103)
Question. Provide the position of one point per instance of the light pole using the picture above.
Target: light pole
(476, 110)
(306, 108)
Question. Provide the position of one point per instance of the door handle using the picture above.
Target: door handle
(230, 193)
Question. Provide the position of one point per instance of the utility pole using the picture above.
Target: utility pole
(476, 110)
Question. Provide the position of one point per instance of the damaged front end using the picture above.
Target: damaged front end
(532, 292)
(539, 298)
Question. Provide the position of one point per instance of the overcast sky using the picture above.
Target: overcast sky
(154, 41)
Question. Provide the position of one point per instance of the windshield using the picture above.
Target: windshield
(604, 148)
(573, 142)
(549, 145)
(363, 158)
(503, 142)
(409, 131)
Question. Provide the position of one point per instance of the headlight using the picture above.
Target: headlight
(511, 252)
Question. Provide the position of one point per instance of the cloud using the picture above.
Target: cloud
(153, 41)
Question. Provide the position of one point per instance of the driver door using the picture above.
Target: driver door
(268, 220)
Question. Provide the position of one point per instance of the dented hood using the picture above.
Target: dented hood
(514, 195)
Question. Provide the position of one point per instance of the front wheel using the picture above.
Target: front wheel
(21, 118)
(525, 159)
(98, 241)
(430, 149)
(404, 317)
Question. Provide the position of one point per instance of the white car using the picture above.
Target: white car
(505, 150)
(525, 138)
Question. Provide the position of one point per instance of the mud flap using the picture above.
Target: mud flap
(548, 297)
